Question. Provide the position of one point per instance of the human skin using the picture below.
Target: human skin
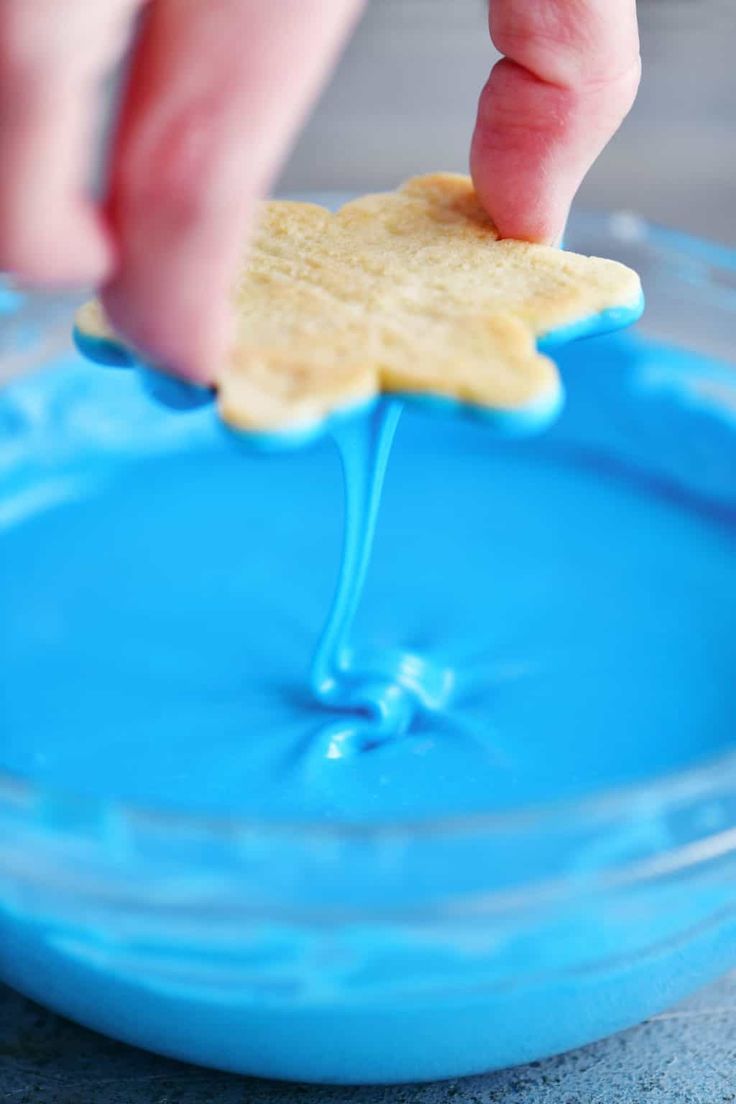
(218, 90)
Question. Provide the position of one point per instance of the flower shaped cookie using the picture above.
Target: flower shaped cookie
(409, 293)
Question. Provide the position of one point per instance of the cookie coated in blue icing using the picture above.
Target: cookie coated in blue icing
(181, 395)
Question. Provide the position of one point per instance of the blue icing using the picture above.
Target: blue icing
(614, 318)
(177, 394)
(536, 620)
(529, 419)
(431, 608)
(103, 350)
(180, 395)
(10, 298)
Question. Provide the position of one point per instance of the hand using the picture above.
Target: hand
(568, 78)
(218, 88)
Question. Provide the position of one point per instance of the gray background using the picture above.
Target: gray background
(404, 99)
(403, 102)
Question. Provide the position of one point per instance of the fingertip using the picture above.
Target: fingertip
(528, 153)
(72, 248)
(519, 211)
(185, 341)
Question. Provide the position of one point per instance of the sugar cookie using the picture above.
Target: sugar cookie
(409, 292)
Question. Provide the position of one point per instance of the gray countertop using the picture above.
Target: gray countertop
(684, 1056)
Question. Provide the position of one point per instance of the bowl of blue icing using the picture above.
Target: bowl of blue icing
(486, 815)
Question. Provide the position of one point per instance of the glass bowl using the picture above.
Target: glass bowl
(397, 951)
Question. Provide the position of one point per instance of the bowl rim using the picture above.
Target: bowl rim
(705, 780)
(53, 871)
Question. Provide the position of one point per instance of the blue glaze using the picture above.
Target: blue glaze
(176, 394)
(298, 436)
(364, 447)
(103, 350)
(529, 419)
(555, 617)
(10, 298)
(493, 597)
(536, 415)
(607, 321)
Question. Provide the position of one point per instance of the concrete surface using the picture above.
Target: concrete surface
(685, 1056)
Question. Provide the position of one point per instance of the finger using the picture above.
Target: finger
(568, 78)
(217, 91)
(52, 55)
